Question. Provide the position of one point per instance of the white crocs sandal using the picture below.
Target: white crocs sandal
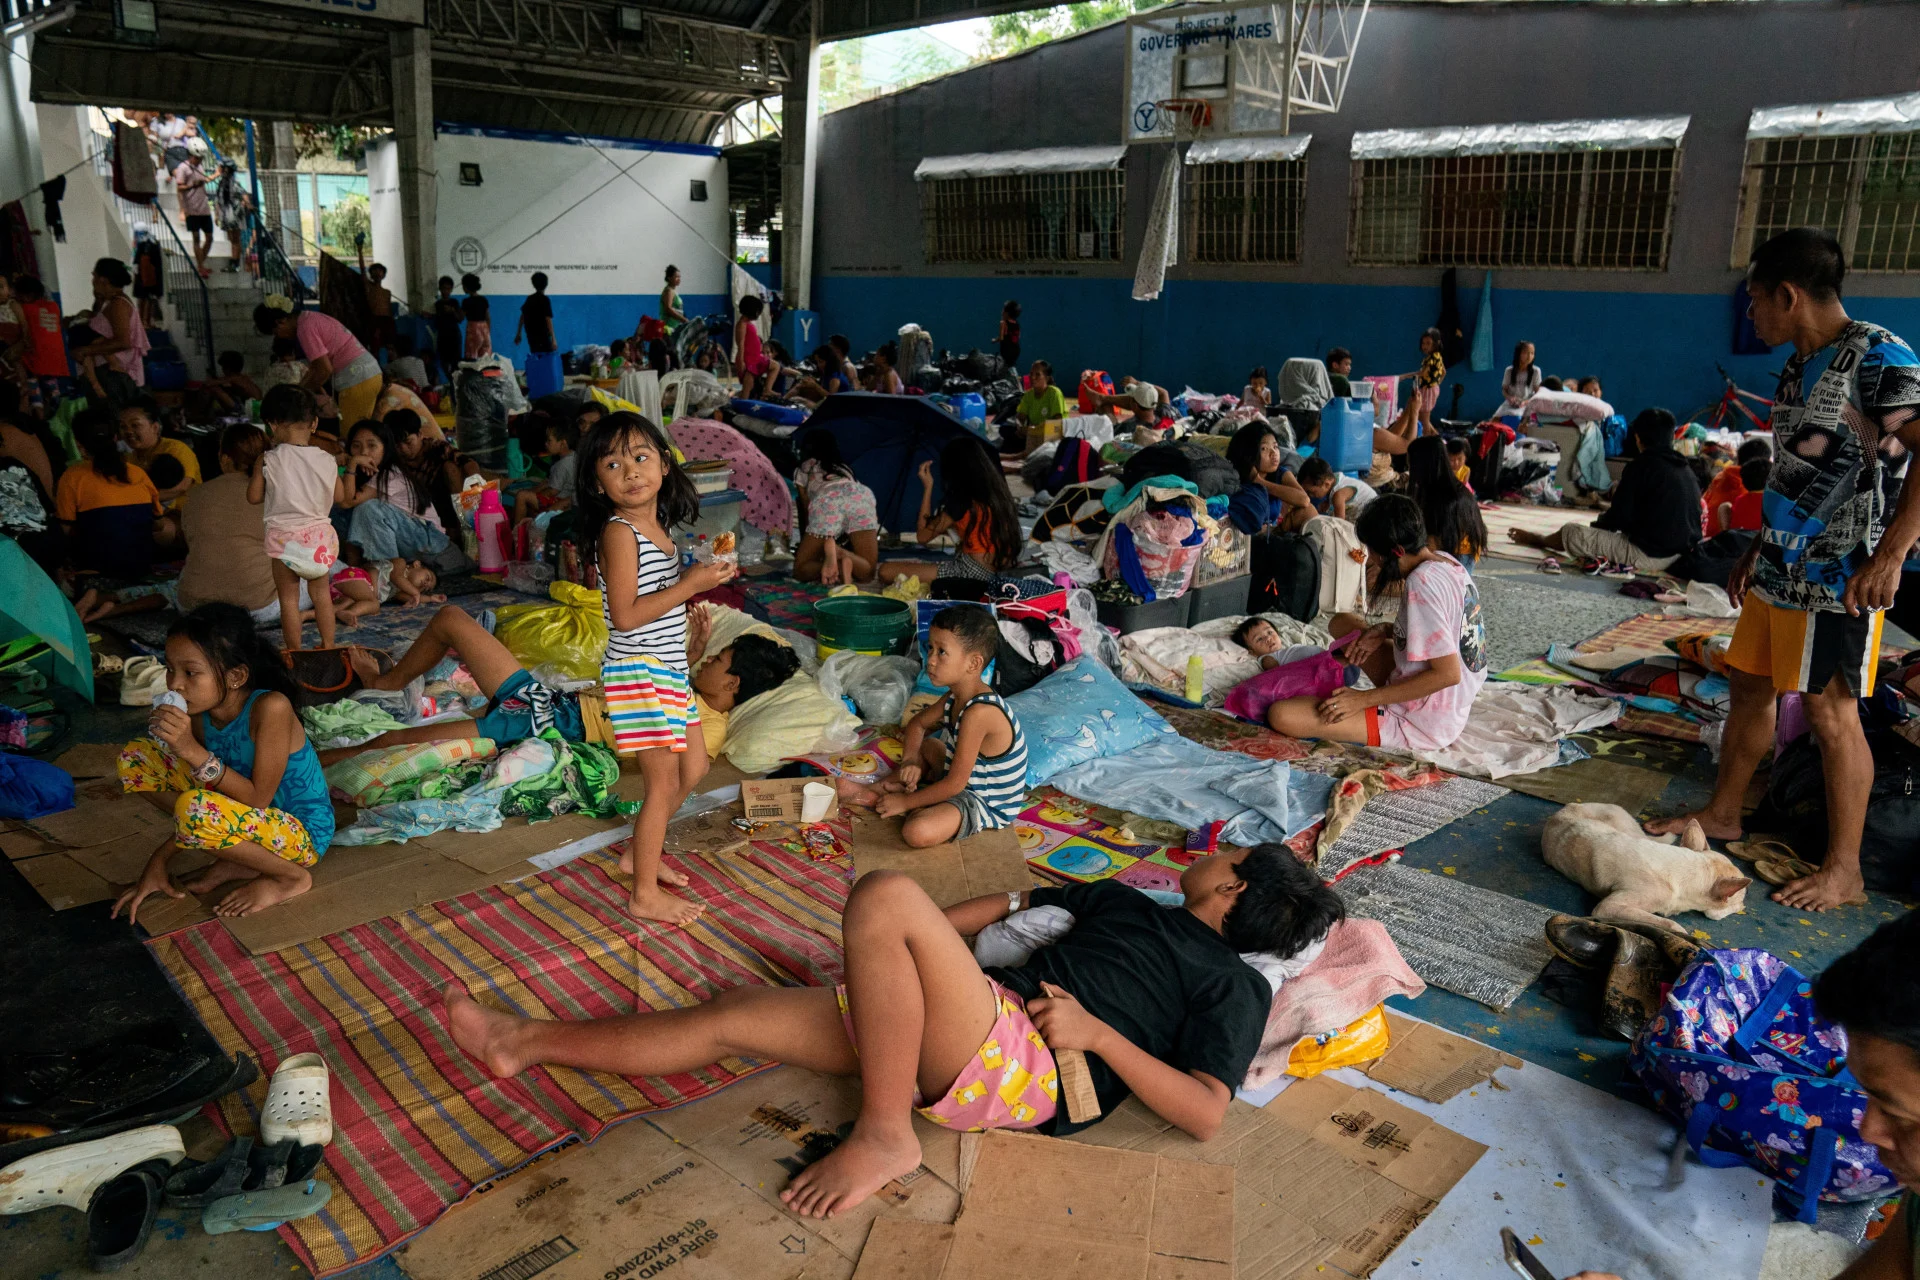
(298, 1105)
(70, 1175)
(141, 680)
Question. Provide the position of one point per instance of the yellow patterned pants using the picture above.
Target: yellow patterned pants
(204, 819)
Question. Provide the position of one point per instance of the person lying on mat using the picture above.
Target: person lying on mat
(519, 707)
(969, 741)
(1425, 681)
(231, 749)
(1157, 997)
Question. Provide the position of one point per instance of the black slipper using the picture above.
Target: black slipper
(195, 1186)
(120, 1218)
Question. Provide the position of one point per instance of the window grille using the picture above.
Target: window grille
(1598, 209)
(1865, 188)
(1026, 217)
(1245, 212)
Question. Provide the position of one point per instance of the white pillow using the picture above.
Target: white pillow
(1569, 405)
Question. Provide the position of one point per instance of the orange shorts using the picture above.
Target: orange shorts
(1801, 650)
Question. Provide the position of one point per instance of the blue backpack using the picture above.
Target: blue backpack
(1753, 1076)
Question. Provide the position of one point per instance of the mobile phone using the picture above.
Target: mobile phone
(1521, 1258)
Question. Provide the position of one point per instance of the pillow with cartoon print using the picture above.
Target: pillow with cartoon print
(1079, 713)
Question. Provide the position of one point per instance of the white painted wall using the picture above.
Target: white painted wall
(95, 229)
(603, 220)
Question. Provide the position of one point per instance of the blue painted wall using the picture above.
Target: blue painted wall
(1653, 337)
(589, 317)
(1646, 348)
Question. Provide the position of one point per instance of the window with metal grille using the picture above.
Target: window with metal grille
(1604, 210)
(1026, 217)
(1865, 188)
(1246, 212)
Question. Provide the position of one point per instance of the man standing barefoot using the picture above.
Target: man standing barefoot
(1827, 559)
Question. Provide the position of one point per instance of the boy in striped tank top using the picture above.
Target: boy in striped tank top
(969, 741)
(630, 491)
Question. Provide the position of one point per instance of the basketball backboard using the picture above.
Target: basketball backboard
(1258, 64)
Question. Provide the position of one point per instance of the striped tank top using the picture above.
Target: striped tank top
(1000, 782)
(665, 638)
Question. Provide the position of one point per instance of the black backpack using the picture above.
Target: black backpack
(1286, 575)
(1483, 469)
(1796, 805)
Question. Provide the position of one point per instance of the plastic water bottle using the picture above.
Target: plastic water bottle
(1196, 684)
(489, 523)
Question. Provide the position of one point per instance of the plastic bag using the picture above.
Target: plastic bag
(33, 788)
(1164, 546)
(1359, 1041)
(568, 633)
(878, 685)
(529, 576)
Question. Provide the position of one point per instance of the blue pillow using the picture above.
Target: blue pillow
(1079, 713)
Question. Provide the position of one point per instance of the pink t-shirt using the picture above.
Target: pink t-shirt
(1440, 615)
(321, 335)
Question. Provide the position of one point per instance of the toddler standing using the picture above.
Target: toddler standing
(299, 484)
(631, 492)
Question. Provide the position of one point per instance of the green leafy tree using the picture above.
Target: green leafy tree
(1011, 32)
(348, 218)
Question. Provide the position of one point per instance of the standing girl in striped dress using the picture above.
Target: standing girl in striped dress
(631, 491)
(969, 740)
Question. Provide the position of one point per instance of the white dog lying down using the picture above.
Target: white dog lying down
(1639, 877)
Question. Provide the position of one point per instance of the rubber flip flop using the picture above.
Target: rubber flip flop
(195, 1186)
(1782, 871)
(265, 1210)
(1550, 565)
(1763, 847)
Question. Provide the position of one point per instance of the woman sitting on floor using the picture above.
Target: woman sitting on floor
(1655, 516)
(1425, 680)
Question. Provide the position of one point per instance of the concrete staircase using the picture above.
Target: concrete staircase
(232, 296)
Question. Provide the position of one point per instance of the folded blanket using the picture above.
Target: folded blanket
(1517, 729)
(1358, 969)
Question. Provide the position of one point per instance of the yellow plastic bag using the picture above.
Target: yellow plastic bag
(1359, 1041)
(569, 633)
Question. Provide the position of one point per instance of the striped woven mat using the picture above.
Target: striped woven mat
(417, 1123)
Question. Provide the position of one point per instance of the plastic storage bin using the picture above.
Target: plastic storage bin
(868, 624)
(1346, 434)
(1226, 598)
(719, 513)
(1129, 618)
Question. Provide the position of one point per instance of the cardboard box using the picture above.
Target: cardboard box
(779, 799)
(990, 862)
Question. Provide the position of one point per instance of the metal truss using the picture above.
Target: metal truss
(696, 53)
(1324, 35)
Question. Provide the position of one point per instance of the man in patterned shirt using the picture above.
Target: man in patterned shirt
(1828, 557)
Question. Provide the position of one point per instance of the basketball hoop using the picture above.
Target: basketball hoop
(1191, 117)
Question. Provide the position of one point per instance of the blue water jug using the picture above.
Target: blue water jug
(1346, 434)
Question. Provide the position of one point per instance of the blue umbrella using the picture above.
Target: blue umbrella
(884, 439)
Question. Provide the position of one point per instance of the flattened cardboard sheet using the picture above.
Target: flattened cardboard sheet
(990, 862)
(1429, 1062)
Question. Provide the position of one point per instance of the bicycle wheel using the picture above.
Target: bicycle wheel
(1706, 415)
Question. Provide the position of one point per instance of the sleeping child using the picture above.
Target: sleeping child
(969, 740)
(1158, 998)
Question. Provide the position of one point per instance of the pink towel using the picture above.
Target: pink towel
(1315, 677)
(1360, 968)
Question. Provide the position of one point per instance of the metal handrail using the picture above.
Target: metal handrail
(190, 271)
(277, 271)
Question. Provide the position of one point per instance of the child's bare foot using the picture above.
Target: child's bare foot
(830, 568)
(221, 872)
(365, 666)
(262, 892)
(486, 1034)
(654, 903)
(851, 1172)
(856, 793)
(663, 874)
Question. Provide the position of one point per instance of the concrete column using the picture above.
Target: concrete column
(419, 264)
(22, 169)
(799, 152)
